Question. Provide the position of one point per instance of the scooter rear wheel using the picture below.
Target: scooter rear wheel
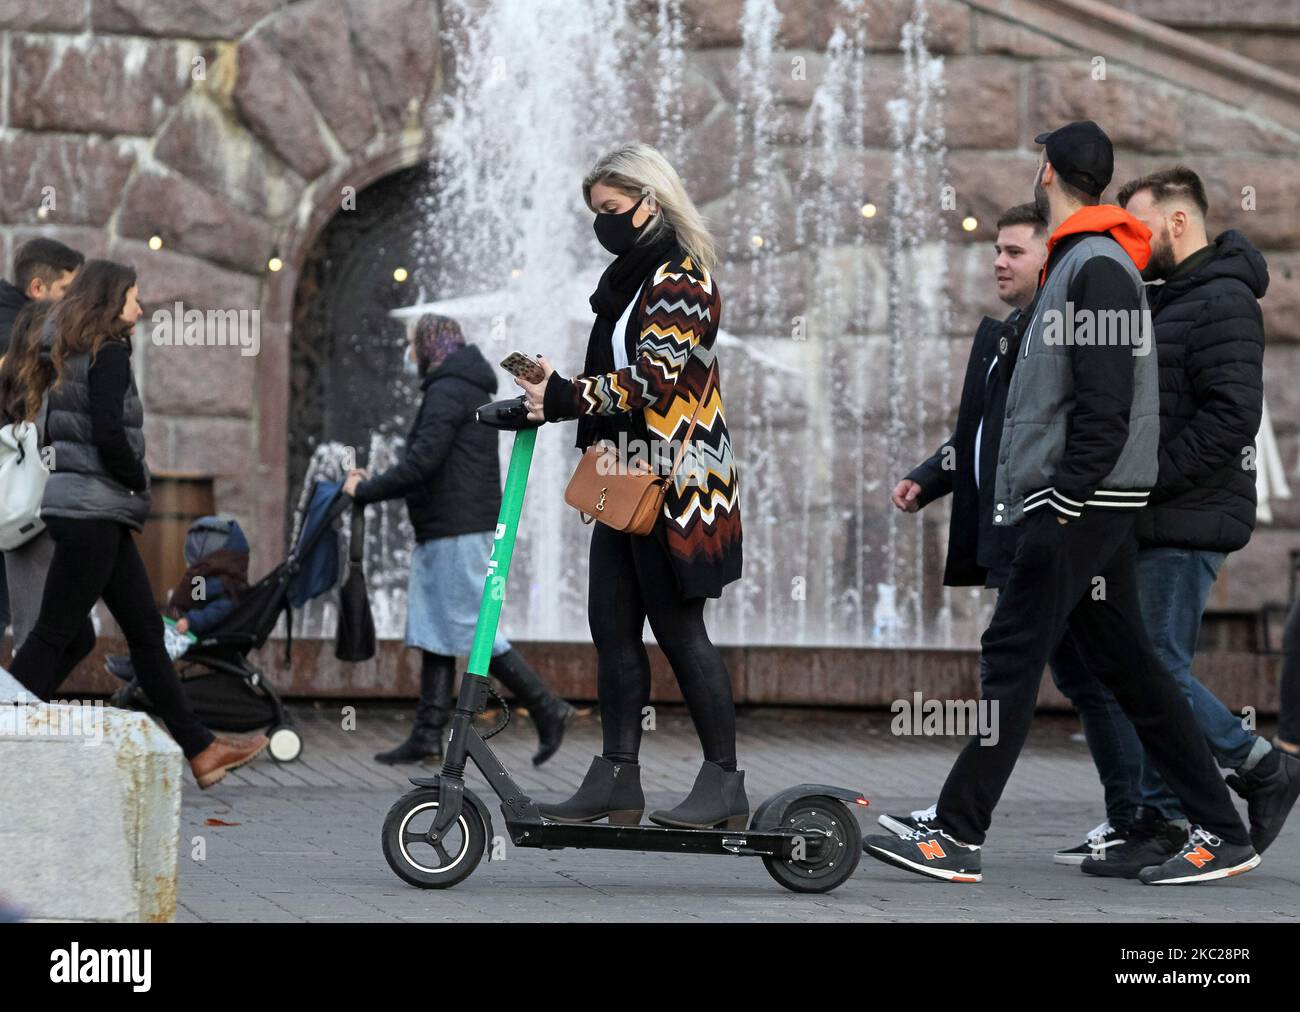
(822, 868)
(418, 861)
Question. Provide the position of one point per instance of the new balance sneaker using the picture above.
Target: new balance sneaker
(905, 825)
(1151, 841)
(1204, 858)
(1270, 791)
(928, 851)
(1098, 841)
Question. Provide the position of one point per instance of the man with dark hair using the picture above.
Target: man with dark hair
(980, 551)
(43, 269)
(1076, 461)
(1209, 337)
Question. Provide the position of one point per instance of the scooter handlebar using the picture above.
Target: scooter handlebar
(509, 414)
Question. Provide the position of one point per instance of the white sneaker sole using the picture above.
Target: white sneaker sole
(894, 826)
(1060, 857)
(920, 869)
(1240, 869)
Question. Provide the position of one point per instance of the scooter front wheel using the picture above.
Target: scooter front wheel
(827, 849)
(421, 862)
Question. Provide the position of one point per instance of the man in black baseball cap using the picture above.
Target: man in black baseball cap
(1081, 154)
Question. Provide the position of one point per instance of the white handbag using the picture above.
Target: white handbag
(22, 484)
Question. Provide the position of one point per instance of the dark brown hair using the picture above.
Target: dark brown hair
(1180, 181)
(47, 259)
(1024, 214)
(90, 313)
(24, 374)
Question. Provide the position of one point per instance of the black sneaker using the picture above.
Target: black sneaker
(1097, 842)
(906, 825)
(928, 851)
(1204, 858)
(1151, 841)
(1270, 790)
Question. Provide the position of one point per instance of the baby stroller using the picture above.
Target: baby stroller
(227, 691)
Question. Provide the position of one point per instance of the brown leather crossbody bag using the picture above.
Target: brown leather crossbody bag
(604, 488)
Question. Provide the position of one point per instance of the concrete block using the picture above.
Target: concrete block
(90, 801)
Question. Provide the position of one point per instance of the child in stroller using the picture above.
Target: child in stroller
(232, 619)
(216, 554)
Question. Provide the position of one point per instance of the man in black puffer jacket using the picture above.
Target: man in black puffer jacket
(1210, 346)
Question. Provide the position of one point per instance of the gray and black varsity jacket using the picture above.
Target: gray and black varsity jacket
(1082, 426)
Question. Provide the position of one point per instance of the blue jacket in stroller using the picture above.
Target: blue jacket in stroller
(206, 537)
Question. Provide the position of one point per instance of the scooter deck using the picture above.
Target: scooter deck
(662, 839)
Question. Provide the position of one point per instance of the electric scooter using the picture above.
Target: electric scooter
(435, 835)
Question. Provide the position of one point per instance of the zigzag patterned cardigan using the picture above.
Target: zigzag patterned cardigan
(677, 323)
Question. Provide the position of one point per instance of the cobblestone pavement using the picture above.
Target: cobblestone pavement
(300, 842)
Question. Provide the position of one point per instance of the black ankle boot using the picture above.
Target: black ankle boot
(431, 712)
(717, 800)
(609, 789)
(550, 713)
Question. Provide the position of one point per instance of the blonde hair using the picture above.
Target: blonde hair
(636, 169)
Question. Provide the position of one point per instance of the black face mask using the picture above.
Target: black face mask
(616, 232)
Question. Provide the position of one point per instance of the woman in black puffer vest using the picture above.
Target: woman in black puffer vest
(96, 496)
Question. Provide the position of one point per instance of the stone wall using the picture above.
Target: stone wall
(231, 130)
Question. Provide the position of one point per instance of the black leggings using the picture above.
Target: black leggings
(631, 579)
(94, 559)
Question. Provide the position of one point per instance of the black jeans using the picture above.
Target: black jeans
(94, 559)
(1081, 577)
(632, 579)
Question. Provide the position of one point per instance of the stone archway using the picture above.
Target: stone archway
(291, 110)
(346, 380)
(274, 406)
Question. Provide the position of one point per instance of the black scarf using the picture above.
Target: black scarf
(618, 286)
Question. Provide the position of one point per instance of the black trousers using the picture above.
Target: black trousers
(94, 559)
(632, 579)
(1080, 577)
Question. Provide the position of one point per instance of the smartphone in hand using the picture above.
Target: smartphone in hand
(524, 366)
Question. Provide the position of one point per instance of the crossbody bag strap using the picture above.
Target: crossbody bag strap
(690, 430)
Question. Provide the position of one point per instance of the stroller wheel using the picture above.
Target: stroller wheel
(284, 744)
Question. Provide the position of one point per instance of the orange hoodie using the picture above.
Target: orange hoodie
(1126, 230)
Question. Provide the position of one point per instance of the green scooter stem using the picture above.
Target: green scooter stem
(473, 687)
(503, 549)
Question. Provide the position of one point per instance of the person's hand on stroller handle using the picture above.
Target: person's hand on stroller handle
(355, 477)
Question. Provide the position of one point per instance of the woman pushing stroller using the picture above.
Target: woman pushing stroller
(450, 478)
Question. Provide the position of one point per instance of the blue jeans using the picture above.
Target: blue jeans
(1112, 741)
(1174, 584)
